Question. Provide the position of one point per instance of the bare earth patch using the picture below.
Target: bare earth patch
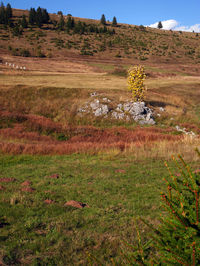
(49, 201)
(76, 204)
(7, 179)
(54, 176)
(26, 183)
(28, 189)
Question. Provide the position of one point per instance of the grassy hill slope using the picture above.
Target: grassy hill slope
(129, 43)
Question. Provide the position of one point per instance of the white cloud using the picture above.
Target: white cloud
(167, 24)
(195, 28)
(172, 24)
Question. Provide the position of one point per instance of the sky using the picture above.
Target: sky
(174, 14)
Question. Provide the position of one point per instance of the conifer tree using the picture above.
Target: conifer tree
(24, 22)
(179, 233)
(32, 16)
(5, 14)
(114, 22)
(160, 26)
(79, 28)
(2, 13)
(70, 22)
(176, 240)
(39, 17)
(103, 20)
(61, 23)
(45, 16)
(9, 11)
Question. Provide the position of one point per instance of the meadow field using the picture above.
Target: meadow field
(50, 156)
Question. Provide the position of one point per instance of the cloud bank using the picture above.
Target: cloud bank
(167, 24)
(172, 24)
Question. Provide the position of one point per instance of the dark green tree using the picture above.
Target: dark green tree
(105, 30)
(179, 233)
(79, 28)
(45, 16)
(24, 22)
(103, 20)
(160, 26)
(91, 28)
(176, 241)
(2, 13)
(39, 19)
(114, 22)
(9, 11)
(70, 23)
(61, 23)
(32, 16)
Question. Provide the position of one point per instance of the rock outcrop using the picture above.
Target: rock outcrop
(127, 111)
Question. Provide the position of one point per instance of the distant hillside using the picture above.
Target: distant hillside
(88, 38)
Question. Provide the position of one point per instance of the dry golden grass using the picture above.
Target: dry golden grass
(57, 96)
(165, 149)
(81, 80)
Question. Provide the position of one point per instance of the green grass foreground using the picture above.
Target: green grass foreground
(116, 188)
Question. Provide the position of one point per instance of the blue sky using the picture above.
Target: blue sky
(177, 14)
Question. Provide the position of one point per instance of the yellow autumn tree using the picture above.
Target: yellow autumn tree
(136, 78)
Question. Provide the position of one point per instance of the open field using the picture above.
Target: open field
(50, 154)
(37, 227)
(115, 168)
(40, 110)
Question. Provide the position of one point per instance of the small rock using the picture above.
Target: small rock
(120, 171)
(117, 115)
(197, 171)
(148, 117)
(104, 109)
(177, 174)
(126, 106)
(93, 94)
(106, 100)
(48, 201)
(76, 204)
(98, 112)
(54, 176)
(95, 104)
(161, 109)
(26, 183)
(27, 189)
(119, 108)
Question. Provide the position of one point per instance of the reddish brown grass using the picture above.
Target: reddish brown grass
(26, 136)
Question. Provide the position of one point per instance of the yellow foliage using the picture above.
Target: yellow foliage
(136, 78)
